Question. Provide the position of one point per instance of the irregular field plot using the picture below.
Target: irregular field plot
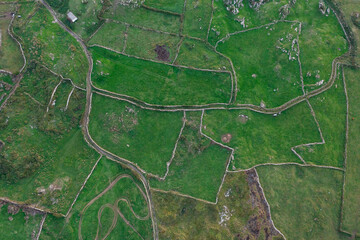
(123, 129)
(144, 17)
(305, 201)
(198, 166)
(197, 18)
(330, 110)
(44, 157)
(233, 217)
(110, 35)
(351, 208)
(47, 42)
(172, 6)
(259, 138)
(156, 83)
(106, 172)
(200, 55)
(151, 45)
(10, 55)
(265, 73)
(19, 225)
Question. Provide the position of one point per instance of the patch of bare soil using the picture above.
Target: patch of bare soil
(243, 118)
(13, 209)
(162, 52)
(226, 138)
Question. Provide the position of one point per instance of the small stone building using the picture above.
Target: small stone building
(71, 17)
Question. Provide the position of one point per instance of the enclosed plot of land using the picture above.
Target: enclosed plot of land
(305, 201)
(101, 197)
(198, 165)
(259, 138)
(266, 64)
(144, 17)
(166, 5)
(157, 83)
(124, 129)
(197, 18)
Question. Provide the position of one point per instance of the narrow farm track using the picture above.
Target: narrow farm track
(87, 136)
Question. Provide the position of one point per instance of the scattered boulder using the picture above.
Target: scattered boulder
(233, 6)
(13, 209)
(355, 17)
(226, 138)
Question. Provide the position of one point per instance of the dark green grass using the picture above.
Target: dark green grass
(10, 55)
(5, 89)
(200, 55)
(105, 172)
(305, 201)
(110, 35)
(330, 110)
(144, 17)
(144, 137)
(156, 83)
(43, 148)
(19, 227)
(351, 212)
(143, 43)
(225, 22)
(262, 138)
(277, 78)
(197, 18)
(44, 39)
(198, 166)
(172, 6)
(321, 40)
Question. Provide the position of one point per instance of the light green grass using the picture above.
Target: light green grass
(142, 43)
(124, 129)
(144, 17)
(197, 18)
(305, 202)
(110, 35)
(276, 79)
(262, 138)
(198, 166)
(172, 5)
(43, 148)
(105, 172)
(351, 212)
(156, 83)
(200, 55)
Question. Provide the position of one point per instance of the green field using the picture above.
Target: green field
(105, 172)
(156, 83)
(123, 129)
(351, 207)
(231, 218)
(259, 138)
(198, 166)
(197, 18)
(44, 158)
(45, 41)
(172, 6)
(305, 201)
(265, 74)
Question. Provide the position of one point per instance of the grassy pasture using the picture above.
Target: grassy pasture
(225, 22)
(264, 73)
(105, 172)
(123, 129)
(144, 17)
(330, 110)
(157, 83)
(185, 218)
(143, 43)
(351, 208)
(10, 55)
(172, 6)
(110, 35)
(305, 202)
(198, 166)
(22, 226)
(197, 18)
(259, 138)
(45, 41)
(200, 55)
(6, 86)
(43, 148)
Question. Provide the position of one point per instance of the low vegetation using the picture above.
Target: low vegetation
(197, 17)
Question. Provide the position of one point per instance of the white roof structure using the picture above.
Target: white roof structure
(71, 17)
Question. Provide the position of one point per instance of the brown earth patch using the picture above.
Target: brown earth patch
(162, 53)
(226, 138)
(243, 118)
